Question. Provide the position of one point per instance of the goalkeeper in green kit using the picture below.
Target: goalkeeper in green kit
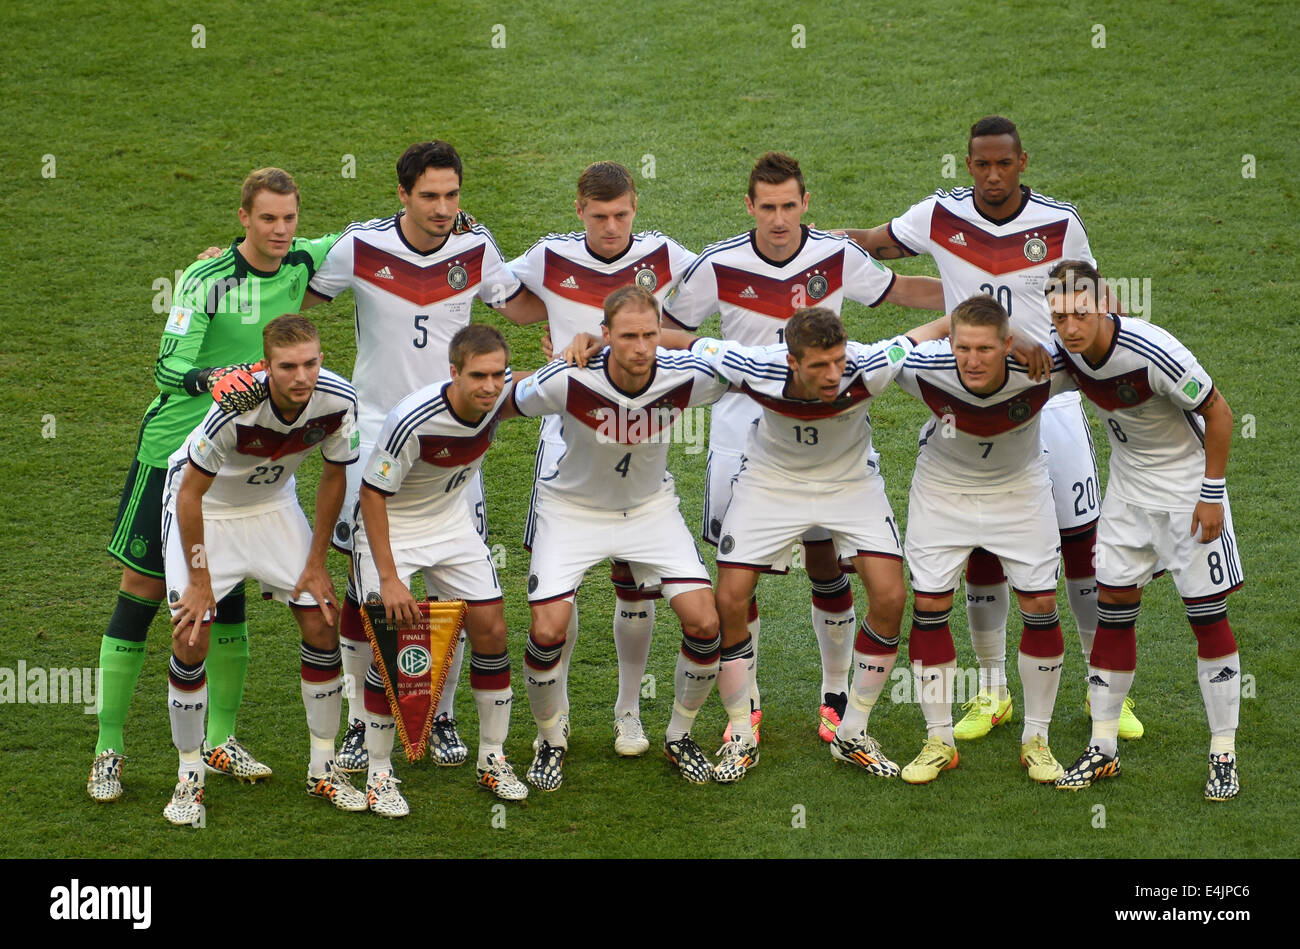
(213, 332)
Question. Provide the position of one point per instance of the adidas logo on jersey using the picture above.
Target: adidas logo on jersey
(959, 239)
(384, 273)
(445, 453)
(748, 294)
(569, 283)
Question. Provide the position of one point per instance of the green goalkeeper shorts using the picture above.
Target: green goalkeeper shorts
(137, 534)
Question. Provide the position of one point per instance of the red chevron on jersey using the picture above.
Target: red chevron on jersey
(589, 287)
(623, 424)
(992, 254)
(1117, 392)
(985, 419)
(422, 286)
(780, 298)
(445, 451)
(796, 408)
(266, 443)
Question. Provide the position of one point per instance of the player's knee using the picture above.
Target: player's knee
(546, 633)
(143, 586)
(1039, 605)
(488, 634)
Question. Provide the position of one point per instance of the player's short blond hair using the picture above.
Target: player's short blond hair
(288, 330)
(477, 339)
(605, 181)
(631, 297)
(982, 310)
(813, 327)
(267, 179)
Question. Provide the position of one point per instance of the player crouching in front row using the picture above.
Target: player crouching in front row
(230, 513)
(1169, 431)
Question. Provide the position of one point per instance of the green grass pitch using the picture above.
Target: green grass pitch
(1171, 126)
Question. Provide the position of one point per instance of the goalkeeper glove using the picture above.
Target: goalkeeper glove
(235, 388)
(463, 224)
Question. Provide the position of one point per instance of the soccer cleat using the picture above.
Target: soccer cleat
(629, 736)
(1130, 728)
(499, 778)
(1037, 757)
(690, 759)
(1091, 767)
(186, 805)
(105, 781)
(384, 799)
(755, 716)
(983, 715)
(829, 715)
(1223, 784)
(546, 773)
(232, 758)
(735, 759)
(336, 788)
(863, 751)
(564, 733)
(445, 747)
(934, 759)
(352, 754)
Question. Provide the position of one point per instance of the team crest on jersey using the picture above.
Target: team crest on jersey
(727, 545)
(532, 583)
(457, 277)
(173, 596)
(1035, 249)
(1019, 411)
(313, 436)
(139, 547)
(343, 532)
(817, 286)
(374, 598)
(1127, 394)
(647, 279)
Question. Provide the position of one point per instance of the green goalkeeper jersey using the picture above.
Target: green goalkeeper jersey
(216, 319)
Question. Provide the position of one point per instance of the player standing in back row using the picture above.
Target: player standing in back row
(1000, 238)
(573, 274)
(757, 281)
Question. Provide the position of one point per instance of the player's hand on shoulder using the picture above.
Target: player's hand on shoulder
(209, 253)
(583, 347)
(1032, 355)
(464, 222)
(236, 389)
(1208, 518)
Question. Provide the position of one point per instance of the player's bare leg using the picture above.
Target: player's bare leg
(1042, 654)
(489, 681)
(322, 696)
(834, 621)
(697, 668)
(547, 690)
(874, 652)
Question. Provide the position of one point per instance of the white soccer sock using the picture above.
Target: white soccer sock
(356, 655)
(324, 703)
(1040, 678)
(733, 688)
(987, 606)
(186, 708)
(692, 683)
(991, 655)
(934, 685)
(835, 641)
(543, 671)
(871, 672)
(493, 722)
(754, 627)
(634, 625)
(380, 732)
(447, 701)
(1107, 689)
(1220, 682)
(1083, 604)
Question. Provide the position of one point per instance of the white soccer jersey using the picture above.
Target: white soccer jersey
(1007, 259)
(425, 458)
(253, 455)
(807, 440)
(408, 304)
(755, 296)
(1146, 390)
(615, 442)
(573, 282)
(978, 444)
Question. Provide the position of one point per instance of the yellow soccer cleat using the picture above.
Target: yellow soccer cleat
(935, 757)
(983, 715)
(1037, 757)
(1130, 729)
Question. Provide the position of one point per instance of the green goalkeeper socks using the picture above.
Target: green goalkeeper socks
(121, 657)
(227, 666)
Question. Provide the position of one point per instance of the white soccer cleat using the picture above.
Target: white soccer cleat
(186, 805)
(383, 797)
(232, 758)
(735, 759)
(629, 736)
(499, 778)
(335, 787)
(105, 781)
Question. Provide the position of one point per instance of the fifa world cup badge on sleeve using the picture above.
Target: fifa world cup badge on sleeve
(413, 662)
(178, 321)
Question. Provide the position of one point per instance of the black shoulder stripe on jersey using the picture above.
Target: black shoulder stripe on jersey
(343, 391)
(1153, 353)
(218, 269)
(482, 231)
(411, 421)
(752, 367)
(1059, 206)
(374, 224)
(713, 249)
(558, 366)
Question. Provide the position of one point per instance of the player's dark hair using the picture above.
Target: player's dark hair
(981, 310)
(627, 298)
(288, 330)
(477, 339)
(266, 179)
(994, 125)
(605, 181)
(773, 169)
(424, 155)
(1068, 277)
(813, 327)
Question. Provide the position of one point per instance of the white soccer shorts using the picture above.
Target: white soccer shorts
(451, 556)
(1134, 543)
(765, 519)
(719, 483)
(1071, 461)
(1019, 526)
(269, 547)
(652, 538)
